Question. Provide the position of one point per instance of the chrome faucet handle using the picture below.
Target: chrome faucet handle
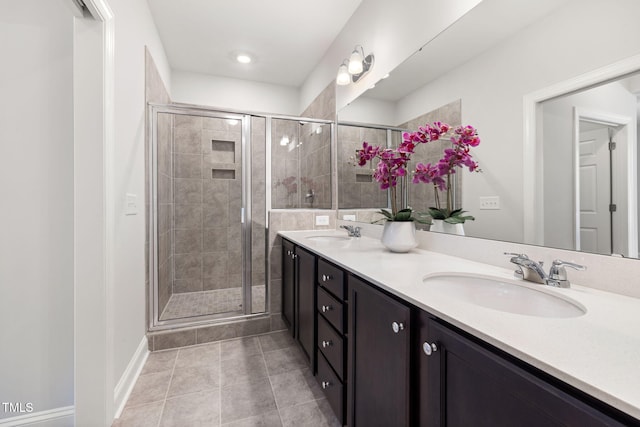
(516, 255)
(558, 273)
(353, 231)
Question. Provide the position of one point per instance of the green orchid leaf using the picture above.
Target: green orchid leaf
(404, 215)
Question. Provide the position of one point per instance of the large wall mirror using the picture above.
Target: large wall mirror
(548, 171)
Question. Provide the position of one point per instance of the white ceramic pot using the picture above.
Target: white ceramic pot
(444, 227)
(399, 236)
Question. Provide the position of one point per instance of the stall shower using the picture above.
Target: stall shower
(211, 183)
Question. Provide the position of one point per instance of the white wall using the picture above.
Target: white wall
(370, 110)
(568, 43)
(234, 94)
(392, 30)
(134, 28)
(36, 189)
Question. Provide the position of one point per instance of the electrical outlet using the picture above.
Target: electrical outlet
(490, 202)
(349, 217)
(322, 219)
(131, 204)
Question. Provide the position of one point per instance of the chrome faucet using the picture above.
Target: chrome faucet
(353, 231)
(532, 271)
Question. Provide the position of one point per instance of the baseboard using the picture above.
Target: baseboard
(57, 417)
(128, 379)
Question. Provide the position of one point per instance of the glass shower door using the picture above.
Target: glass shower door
(203, 227)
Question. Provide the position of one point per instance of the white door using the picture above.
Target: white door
(595, 189)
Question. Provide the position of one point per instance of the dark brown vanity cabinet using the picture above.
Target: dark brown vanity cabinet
(378, 357)
(288, 284)
(331, 340)
(464, 383)
(298, 295)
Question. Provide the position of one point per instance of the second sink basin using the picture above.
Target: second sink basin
(502, 295)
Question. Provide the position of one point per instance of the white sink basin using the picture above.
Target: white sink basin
(502, 295)
(331, 240)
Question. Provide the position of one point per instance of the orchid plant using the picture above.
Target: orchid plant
(393, 163)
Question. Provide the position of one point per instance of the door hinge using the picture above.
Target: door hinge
(613, 207)
(612, 146)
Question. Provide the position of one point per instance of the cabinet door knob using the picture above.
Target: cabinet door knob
(326, 277)
(293, 256)
(429, 348)
(397, 327)
(326, 308)
(326, 344)
(289, 252)
(325, 384)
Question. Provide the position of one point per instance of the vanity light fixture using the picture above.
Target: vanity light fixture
(355, 60)
(352, 69)
(344, 78)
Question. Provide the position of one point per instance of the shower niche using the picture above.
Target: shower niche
(207, 242)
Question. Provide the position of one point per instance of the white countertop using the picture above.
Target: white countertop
(598, 352)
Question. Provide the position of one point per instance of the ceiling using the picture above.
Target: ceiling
(286, 38)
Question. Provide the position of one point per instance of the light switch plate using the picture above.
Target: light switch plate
(490, 203)
(322, 219)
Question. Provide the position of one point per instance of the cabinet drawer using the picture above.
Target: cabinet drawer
(331, 309)
(332, 278)
(331, 346)
(331, 387)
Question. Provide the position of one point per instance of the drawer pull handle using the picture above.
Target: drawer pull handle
(326, 344)
(326, 277)
(325, 384)
(429, 349)
(397, 327)
(326, 308)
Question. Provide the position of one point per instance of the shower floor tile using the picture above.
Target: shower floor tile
(217, 301)
(256, 396)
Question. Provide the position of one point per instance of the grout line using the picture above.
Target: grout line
(164, 402)
(220, 387)
(275, 401)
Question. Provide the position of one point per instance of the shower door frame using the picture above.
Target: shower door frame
(155, 324)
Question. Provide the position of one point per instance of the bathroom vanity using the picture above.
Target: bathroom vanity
(391, 349)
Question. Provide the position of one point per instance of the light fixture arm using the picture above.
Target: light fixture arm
(367, 64)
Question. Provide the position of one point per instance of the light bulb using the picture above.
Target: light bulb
(243, 58)
(355, 62)
(284, 141)
(343, 77)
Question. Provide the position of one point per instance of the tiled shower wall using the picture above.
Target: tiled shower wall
(207, 195)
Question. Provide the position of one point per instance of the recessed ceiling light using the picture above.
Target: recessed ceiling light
(243, 58)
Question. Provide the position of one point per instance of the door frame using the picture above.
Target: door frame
(533, 202)
(627, 193)
(94, 82)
